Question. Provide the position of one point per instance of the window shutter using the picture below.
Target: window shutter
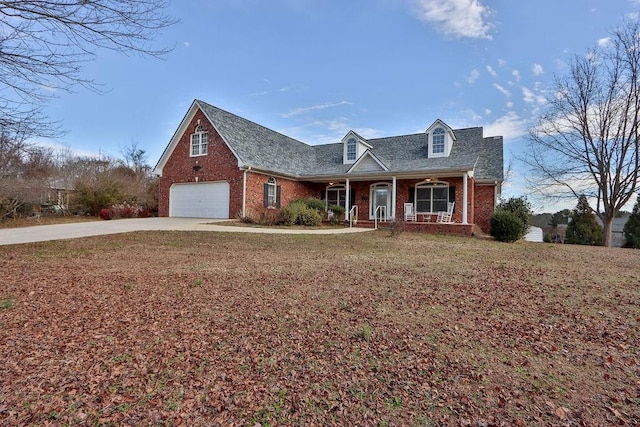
(266, 195)
(452, 196)
(412, 194)
(278, 191)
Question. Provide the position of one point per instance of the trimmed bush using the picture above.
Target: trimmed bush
(124, 210)
(289, 214)
(317, 204)
(299, 213)
(506, 226)
(106, 213)
(310, 217)
(521, 208)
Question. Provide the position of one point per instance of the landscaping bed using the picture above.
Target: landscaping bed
(201, 329)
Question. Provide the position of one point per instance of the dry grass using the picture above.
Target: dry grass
(44, 220)
(225, 329)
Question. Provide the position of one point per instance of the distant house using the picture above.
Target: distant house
(57, 196)
(220, 165)
(617, 231)
(534, 234)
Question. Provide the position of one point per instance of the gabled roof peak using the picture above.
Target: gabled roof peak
(439, 123)
(356, 135)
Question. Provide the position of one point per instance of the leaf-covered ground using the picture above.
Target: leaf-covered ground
(205, 329)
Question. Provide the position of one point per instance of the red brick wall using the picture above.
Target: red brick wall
(484, 205)
(218, 165)
(289, 190)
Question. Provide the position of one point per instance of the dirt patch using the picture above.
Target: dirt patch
(205, 329)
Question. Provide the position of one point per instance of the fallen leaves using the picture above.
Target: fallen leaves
(201, 329)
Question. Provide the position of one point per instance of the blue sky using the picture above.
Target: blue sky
(315, 69)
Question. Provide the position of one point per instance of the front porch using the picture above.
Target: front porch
(450, 228)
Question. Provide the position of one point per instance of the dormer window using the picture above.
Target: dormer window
(441, 139)
(199, 142)
(438, 137)
(351, 149)
(353, 146)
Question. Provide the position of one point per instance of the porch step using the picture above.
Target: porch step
(452, 228)
(372, 224)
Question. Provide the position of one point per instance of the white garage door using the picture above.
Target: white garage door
(199, 200)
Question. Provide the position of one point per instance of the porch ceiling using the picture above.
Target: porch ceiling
(389, 175)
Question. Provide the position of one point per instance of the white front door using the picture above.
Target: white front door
(380, 201)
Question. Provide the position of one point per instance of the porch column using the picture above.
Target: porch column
(393, 199)
(347, 201)
(464, 198)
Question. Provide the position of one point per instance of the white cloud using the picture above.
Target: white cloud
(509, 104)
(530, 97)
(603, 42)
(456, 18)
(516, 75)
(471, 117)
(491, 71)
(267, 92)
(49, 88)
(264, 92)
(473, 76)
(327, 131)
(502, 90)
(510, 126)
(302, 110)
(537, 69)
(187, 44)
(487, 112)
(502, 63)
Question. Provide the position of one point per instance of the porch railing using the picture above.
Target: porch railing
(353, 213)
(381, 213)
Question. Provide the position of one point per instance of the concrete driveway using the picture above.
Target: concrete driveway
(41, 233)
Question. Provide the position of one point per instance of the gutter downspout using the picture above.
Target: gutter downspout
(244, 191)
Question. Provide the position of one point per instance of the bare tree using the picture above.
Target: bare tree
(135, 158)
(587, 141)
(45, 43)
(25, 170)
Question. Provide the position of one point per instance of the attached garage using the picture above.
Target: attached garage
(199, 200)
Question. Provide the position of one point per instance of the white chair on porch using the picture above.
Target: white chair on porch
(446, 216)
(409, 212)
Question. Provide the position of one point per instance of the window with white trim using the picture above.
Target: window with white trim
(337, 195)
(431, 197)
(437, 141)
(272, 192)
(199, 142)
(352, 147)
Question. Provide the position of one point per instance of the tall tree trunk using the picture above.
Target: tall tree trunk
(607, 224)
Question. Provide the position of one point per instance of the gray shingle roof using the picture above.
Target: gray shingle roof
(260, 147)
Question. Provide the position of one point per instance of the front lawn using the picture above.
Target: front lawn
(203, 329)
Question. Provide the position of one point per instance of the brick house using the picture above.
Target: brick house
(219, 165)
